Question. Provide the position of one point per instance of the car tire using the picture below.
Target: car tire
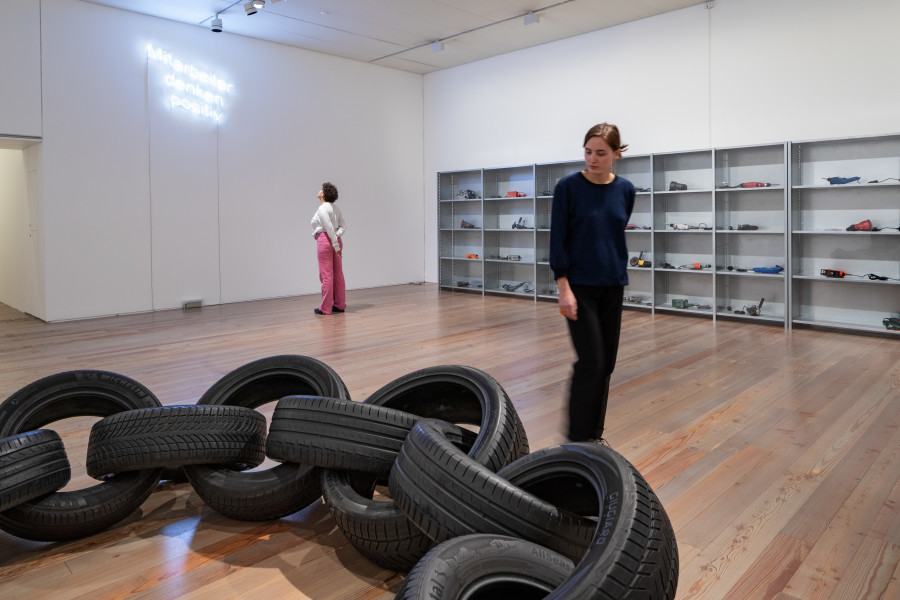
(633, 554)
(32, 464)
(485, 566)
(176, 435)
(79, 513)
(340, 434)
(283, 489)
(457, 394)
(447, 494)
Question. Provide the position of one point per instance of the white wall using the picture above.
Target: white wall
(20, 69)
(13, 228)
(144, 208)
(744, 72)
(803, 69)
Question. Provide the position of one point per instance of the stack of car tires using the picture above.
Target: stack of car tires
(430, 475)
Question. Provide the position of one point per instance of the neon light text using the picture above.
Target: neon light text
(193, 89)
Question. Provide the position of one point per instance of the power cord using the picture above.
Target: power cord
(874, 277)
(837, 274)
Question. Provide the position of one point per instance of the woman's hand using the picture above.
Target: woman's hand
(568, 306)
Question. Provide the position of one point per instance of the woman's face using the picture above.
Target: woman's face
(598, 156)
(321, 196)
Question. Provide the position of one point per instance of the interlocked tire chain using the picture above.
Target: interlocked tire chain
(473, 515)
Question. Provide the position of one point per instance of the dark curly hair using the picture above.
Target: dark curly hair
(329, 192)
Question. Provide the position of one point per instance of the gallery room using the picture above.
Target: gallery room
(285, 301)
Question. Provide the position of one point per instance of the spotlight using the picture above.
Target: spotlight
(249, 8)
(437, 46)
(532, 18)
(216, 25)
(259, 3)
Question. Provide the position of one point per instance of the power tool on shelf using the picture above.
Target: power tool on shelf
(747, 185)
(753, 311)
(837, 274)
(686, 227)
(638, 261)
(867, 226)
(771, 270)
(841, 180)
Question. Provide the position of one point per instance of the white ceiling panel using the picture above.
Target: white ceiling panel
(399, 33)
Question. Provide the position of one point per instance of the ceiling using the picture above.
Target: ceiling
(400, 34)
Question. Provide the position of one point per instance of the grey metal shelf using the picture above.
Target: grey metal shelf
(800, 226)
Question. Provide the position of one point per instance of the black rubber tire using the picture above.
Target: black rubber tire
(268, 379)
(462, 395)
(485, 567)
(32, 464)
(283, 489)
(453, 393)
(176, 435)
(447, 494)
(341, 434)
(79, 513)
(633, 554)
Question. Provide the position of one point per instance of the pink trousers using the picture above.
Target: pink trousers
(331, 274)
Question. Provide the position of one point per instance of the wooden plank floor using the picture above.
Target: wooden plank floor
(775, 453)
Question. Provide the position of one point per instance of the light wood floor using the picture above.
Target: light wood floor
(775, 453)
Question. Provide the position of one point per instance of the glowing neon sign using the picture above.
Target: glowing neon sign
(196, 91)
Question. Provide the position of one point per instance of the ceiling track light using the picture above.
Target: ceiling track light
(259, 3)
(436, 46)
(216, 25)
(249, 8)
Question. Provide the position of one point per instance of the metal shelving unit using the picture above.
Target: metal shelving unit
(750, 210)
(821, 211)
(750, 233)
(461, 230)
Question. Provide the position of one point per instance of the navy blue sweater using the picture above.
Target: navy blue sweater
(587, 232)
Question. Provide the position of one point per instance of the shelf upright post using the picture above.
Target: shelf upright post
(712, 211)
(534, 262)
(656, 264)
(788, 255)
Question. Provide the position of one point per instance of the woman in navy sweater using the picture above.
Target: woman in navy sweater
(589, 261)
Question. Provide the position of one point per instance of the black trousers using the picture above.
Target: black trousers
(595, 336)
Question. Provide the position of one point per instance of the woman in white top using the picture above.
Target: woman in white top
(328, 227)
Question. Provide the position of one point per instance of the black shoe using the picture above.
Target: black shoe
(318, 312)
(335, 309)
